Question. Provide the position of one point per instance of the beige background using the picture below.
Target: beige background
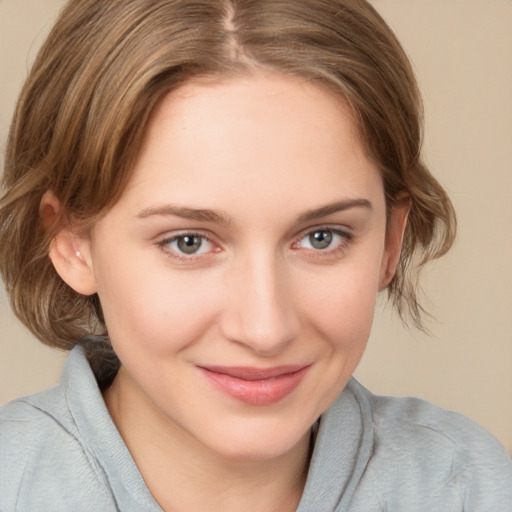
(462, 51)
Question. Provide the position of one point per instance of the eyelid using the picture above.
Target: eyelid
(163, 243)
(345, 233)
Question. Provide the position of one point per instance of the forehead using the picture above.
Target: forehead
(260, 136)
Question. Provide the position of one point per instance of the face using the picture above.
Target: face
(238, 272)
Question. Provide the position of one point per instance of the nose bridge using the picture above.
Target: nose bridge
(261, 313)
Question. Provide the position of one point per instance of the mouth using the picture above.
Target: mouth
(256, 386)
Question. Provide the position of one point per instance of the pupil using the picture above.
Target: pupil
(320, 239)
(189, 244)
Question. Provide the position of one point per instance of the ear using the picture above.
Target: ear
(70, 252)
(394, 236)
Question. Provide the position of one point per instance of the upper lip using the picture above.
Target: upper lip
(249, 373)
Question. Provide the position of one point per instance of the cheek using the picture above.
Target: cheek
(341, 304)
(155, 309)
(345, 314)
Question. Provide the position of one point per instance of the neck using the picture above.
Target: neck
(184, 475)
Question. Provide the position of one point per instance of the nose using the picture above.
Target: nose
(261, 313)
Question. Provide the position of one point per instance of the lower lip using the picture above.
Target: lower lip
(257, 392)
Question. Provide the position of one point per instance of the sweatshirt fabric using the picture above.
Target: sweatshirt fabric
(60, 451)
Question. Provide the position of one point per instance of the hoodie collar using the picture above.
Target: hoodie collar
(343, 448)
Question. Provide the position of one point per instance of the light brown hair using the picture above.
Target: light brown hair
(83, 110)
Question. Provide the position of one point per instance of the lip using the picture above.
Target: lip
(256, 386)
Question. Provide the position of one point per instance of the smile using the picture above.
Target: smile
(255, 386)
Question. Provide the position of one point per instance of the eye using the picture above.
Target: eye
(324, 239)
(188, 244)
(320, 239)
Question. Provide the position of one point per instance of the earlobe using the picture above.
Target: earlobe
(69, 252)
(394, 237)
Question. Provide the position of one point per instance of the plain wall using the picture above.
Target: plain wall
(462, 53)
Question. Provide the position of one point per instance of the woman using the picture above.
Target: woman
(202, 201)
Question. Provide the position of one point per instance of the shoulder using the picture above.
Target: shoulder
(442, 454)
(31, 425)
(415, 421)
(46, 409)
(41, 453)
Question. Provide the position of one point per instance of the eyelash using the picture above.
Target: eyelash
(164, 245)
(338, 249)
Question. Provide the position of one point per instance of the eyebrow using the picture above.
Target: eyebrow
(204, 215)
(200, 215)
(329, 209)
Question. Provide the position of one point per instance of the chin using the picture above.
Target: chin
(258, 442)
(256, 452)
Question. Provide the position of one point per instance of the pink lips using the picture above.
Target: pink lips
(256, 386)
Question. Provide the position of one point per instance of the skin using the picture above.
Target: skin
(261, 152)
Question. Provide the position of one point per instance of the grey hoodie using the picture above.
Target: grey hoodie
(60, 451)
